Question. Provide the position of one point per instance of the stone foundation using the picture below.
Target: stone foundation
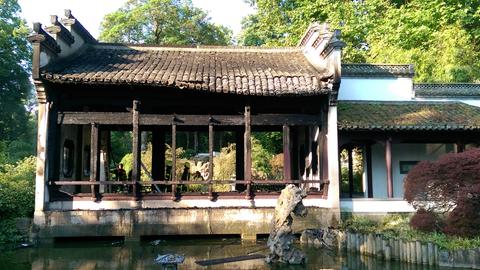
(135, 223)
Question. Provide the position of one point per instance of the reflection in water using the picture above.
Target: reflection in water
(104, 255)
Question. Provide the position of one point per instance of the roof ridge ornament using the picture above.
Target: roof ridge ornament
(44, 38)
(58, 31)
(72, 24)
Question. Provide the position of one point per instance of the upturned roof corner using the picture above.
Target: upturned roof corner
(59, 40)
(322, 47)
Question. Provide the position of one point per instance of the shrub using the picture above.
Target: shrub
(17, 189)
(445, 186)
(425, 221)
(360, 224)
(437, 185)
(464, 220)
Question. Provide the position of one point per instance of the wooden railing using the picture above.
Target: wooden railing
(134, 189)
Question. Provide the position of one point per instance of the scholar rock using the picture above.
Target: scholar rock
(280, 241)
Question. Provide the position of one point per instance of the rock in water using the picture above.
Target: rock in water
(280, 241)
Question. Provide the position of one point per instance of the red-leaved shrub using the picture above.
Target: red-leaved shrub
(446, 186)
(426, 221)
(464, 220)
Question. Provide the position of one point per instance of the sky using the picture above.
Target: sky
(91, 12)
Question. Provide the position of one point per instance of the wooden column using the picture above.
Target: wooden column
(368, 156)
(247, 154)
(158, 154)
(78, 156)
(94, 158)
(239, 146)
(460, 147)
(350, 171)
(195, 141)
(325, 173)
(136, 151)
(173, 173)
(210, 160)
(287, 169)
(54, 143)
(388, 162)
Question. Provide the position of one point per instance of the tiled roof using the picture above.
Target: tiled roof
(251, 71)
(377, 70)
(438, 90)
(410, 115)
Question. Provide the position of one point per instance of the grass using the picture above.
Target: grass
(397, 227)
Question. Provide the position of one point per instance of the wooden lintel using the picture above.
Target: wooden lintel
(125, 118)
(103, 118)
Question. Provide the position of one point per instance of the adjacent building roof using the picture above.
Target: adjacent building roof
(407, 115)
(440, 90)
(377, 70)
(241, 70)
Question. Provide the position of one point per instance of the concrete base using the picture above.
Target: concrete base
(135, 223)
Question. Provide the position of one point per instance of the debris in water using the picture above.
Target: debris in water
(25, 245)
(156, 242)
(169, 259)
(230, 259)
(117, 243)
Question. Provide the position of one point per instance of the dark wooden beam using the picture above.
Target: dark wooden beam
(247, 154)
(287, 169)
(286, 119)
(103, 118)
(388, 163)
(368, 156)
(94, 157)
(124, 118)
(136, 145)
(210, 160)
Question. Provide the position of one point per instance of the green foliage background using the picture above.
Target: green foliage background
(172, 22)
(440, 37)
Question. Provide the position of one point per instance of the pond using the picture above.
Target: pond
(111, 254)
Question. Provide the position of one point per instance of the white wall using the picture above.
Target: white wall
(401, 152)
(394, 89)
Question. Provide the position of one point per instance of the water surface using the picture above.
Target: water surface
(86, 255)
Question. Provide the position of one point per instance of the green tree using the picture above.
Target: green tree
(175, 22)
(15, 87)
(440, 37)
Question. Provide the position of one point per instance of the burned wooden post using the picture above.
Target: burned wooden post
(136, 151)
(94, 161)
(248, 153)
